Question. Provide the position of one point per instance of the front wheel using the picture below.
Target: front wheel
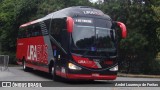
(53, 72)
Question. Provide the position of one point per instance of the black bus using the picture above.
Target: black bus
(75, 43)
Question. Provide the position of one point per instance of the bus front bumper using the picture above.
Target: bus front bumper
(91, 77)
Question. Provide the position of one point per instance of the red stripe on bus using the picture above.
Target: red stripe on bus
(85, 61)
(87, 76)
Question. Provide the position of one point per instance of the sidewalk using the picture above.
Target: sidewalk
(138, 75)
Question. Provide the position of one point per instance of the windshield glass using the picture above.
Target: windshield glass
(93, 35)
(104, 38)
(83, 36)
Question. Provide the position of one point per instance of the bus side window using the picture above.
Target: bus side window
(22, 32)
(55, 30)
(33, 31)
(29, 31)
(59, 32)
(38, 30)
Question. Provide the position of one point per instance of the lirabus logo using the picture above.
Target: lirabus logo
(32, 52)
(37, 52)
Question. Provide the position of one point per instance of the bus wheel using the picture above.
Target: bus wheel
(25, 68)
(54, 76)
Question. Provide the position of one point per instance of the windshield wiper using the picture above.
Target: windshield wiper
(90, 56)
(86, 51)
(106, 50)
(101, 57)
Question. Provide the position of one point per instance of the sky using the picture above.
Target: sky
(93, 1)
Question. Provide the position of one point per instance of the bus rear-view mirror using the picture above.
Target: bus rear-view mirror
(70, 23)
(123, 29)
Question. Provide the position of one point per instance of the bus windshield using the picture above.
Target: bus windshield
(93, 36)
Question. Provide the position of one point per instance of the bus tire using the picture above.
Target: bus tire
(53, 72)
(25, 68)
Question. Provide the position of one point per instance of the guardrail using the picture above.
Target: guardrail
(4, 60)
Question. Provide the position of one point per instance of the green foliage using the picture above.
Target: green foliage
(142, 44)
(48, 6)
(12, 14)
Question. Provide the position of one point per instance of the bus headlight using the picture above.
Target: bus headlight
(114, 68)
(73, 67)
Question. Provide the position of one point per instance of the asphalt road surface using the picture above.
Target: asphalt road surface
(17, 74)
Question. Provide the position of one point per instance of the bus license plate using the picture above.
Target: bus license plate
(95, 74)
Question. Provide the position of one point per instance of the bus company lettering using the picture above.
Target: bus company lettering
(84, 62)
(37, 52)
(83, 21)
(92, 12)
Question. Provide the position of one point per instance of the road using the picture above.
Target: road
(17, 74)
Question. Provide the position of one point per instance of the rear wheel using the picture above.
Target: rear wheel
(25, 68)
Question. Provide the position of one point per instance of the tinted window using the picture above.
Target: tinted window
(30, 31)
(58, 26)
(93, 33)
(22, 33)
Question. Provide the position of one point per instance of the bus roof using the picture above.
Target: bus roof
(77, 11)
(72, 12)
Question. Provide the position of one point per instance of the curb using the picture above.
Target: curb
(138, 76)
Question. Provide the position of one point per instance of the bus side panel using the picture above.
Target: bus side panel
(49, 48)
(21, 49)
(35, 52)
(39, 53)
(33, 49)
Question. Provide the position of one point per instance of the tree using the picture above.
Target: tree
(142, 44)
(13, 13)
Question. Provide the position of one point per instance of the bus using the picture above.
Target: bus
(75, 43)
